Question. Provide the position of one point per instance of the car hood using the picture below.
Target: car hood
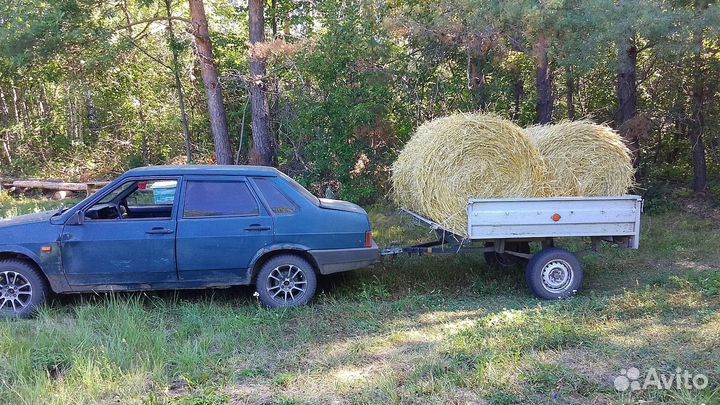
(27, 219)
(340, 205)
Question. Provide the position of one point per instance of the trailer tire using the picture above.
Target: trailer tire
(554, 274)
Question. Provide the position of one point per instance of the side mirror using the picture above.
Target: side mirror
(78, 218)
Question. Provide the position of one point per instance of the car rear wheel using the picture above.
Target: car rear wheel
(22, 289)
(286, 281)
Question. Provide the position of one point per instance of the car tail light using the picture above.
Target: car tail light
(368, 239)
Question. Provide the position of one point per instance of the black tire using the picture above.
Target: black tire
(499, 261)
(286, 281)
(554, 274)
(22, 289)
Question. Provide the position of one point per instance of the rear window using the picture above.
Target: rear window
(219, 198)
(300, 189)
(279, 203)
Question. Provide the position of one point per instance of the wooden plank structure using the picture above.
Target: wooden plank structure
(23, 185)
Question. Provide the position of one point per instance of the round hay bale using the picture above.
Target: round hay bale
(583, 159)
(451, 159)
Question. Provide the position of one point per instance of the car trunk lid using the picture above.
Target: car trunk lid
(340, 205)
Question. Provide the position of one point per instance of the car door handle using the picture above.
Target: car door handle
(160, 231)
(257, 227)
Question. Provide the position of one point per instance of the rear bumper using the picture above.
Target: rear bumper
(337, 260)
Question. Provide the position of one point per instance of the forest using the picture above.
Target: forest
(329, 90)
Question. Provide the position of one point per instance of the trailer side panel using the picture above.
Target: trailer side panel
(511, 218)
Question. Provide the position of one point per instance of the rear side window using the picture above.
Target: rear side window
(218, 199)
(279, 203)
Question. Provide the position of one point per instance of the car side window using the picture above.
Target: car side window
(138, 199)
(153, 193)
(278, 202)
(218, 199)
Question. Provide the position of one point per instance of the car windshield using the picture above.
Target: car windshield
(300, 189)
(113, 194)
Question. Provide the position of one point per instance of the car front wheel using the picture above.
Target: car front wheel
(286, 281)
(22, 289)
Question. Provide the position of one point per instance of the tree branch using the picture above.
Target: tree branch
(160, 62)
(155, 19)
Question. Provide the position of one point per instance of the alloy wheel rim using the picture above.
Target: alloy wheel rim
(15, 291)
(557, 275)
(286, 283)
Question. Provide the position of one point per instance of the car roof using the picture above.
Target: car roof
(203, 169)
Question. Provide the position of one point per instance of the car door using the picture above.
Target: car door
(220, 229)
(127, 236)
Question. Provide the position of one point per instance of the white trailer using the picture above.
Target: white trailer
(506, 226)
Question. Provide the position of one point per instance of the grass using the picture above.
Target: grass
(411, 330)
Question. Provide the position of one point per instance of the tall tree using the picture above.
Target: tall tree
(627, 87)
(262, 150)
(637, 26)
(699, 95)
(544, 84)
(175, 48)
(213, 91)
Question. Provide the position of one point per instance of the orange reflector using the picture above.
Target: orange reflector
(46, 249)
(556, 217)
(368, 239)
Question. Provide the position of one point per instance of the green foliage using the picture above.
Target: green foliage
(344, 105)
(82, 95)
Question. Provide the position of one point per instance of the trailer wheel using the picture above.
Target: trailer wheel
(554, 274)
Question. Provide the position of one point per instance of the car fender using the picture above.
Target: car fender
(22, 251)
(274, 248)
(49, 266)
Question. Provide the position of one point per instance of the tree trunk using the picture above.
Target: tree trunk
(273, 9)
(697, 126)
(16, 107)
(570, 95)
(627, 90)
(91, 113)
(178, 83)
(262, 151)
(4, 122)
(477, 80)
(698, 146)
(544, 85)
(74, 122)
(518, 90)
(213, 91)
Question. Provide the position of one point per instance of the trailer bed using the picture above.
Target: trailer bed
(531, 218)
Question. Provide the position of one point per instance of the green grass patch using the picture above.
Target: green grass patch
(438, 329)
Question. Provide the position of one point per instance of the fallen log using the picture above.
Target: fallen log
(88, 187)
(50, 185)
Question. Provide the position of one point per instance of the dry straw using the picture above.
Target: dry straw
(451, 159)
(583, 159)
